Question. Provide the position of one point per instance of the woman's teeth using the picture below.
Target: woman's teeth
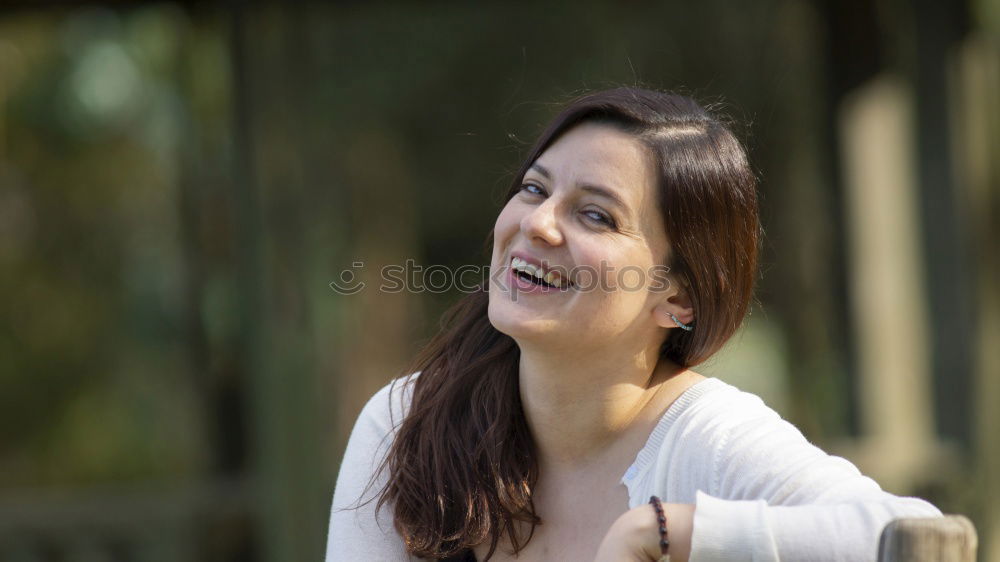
(550, 277)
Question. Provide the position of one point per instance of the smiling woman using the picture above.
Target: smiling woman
(563, 219)
(558, 402)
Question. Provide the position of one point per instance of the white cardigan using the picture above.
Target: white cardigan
(761, 491)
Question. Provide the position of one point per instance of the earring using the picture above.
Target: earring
(679, 323)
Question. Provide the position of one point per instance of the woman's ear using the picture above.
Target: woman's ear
(677, 303)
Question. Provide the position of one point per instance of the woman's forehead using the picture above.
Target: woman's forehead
(601, 155)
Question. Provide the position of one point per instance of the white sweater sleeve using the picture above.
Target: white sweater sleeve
(361, 534)
(775, 496)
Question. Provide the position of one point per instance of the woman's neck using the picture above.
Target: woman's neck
(580, 406)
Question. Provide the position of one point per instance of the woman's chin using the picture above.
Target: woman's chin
(519, 324)
(539, 333)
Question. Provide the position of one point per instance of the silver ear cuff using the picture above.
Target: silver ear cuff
(680, 324)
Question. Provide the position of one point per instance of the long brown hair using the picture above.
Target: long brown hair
(463, 463)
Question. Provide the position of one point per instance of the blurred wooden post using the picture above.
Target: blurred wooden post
(891, 321)
(939, 539)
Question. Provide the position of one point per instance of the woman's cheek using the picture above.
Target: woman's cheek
(507, 222)
(591, 271)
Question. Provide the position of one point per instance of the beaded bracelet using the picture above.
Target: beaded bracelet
(664, 543)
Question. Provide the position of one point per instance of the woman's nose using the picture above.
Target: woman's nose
(542, 224)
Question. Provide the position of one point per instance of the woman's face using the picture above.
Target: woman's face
(587, 210)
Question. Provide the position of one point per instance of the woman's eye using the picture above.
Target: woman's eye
(532, 189)
(600, 217)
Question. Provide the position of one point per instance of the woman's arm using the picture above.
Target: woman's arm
(774, 495)
(761, 491)
(361, 534)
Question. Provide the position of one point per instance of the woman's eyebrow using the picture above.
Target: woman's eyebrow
(541, 170)
(593, 188)
(604, 192)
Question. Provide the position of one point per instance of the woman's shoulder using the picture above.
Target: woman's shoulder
(699, 432)
(389, 405)
(723, 440)
(714, 400)
(717, 415)
(739, 433)
(704, 416)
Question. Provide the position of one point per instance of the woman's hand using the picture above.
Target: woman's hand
(635, 536)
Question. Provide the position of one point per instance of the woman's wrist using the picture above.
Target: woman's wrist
(662, 529)
(679, 525)
(636, 534)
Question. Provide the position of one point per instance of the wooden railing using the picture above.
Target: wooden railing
(942, 539)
